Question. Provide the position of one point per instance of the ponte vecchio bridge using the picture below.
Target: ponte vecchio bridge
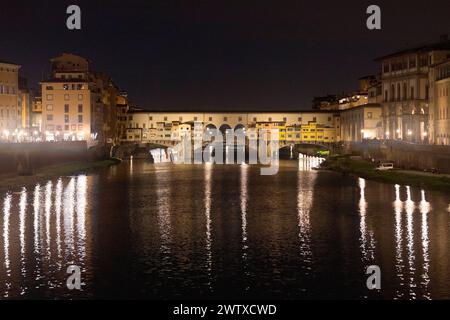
(163, 128)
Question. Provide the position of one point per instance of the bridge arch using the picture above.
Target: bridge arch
(224, 127)
(211, 126)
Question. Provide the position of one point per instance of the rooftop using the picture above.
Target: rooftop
(231, 111)
(443, 44)
(8, 62)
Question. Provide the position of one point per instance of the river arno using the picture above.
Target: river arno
(158, 231)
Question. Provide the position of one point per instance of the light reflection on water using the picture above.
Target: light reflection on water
(367, 237)
(41, 268)
(305, 200)
(208, 237)
(244, 206)
(223, 230)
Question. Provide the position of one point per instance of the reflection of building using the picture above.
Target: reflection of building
(78, 104)
(10, 113)
(406, 91)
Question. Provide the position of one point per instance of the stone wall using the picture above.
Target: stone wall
(26, 157)
(405, 155)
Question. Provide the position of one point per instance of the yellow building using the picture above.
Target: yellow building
(294, 133)
(362, 123)
(10, 113)
(440, 104)
(309, 132)
(318, 133)
(181, 129)
(36, 114)
(280, 126)
(122, 116)
(157, 125)
(78, 104)
(326, 134)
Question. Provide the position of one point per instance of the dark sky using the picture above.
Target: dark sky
(227, 55)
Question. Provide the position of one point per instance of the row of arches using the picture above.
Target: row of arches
(224, 127)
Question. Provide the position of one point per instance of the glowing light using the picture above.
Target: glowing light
(410, 207)
(398, 208)
(244, 202)
(58, 209)
(6, 216)
(48, 207)
(207, 204)
(22, 218)
(425, 208)
(81, 214)
(69, 201)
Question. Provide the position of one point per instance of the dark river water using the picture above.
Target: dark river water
(164, 231)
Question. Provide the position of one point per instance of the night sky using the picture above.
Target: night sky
(219, 55)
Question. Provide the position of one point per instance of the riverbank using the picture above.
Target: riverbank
(14, 181)
(366, 170)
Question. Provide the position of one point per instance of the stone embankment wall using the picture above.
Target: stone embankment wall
(24, 158)
(405, 155)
